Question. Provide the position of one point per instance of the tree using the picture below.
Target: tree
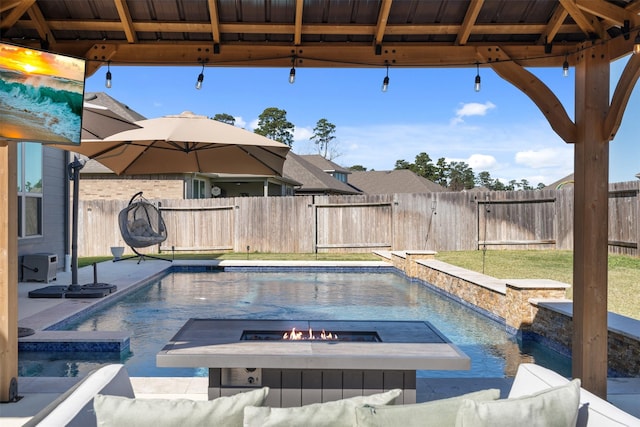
(323, 138)
(402, 164)
(424, 167)
(484, 180)
(273, 124)
(460, 176)
(498, 185)
(225, 118)
(358, 168)
(443, 172)
(524, 184)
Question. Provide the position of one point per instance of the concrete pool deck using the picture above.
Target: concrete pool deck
(37, 392)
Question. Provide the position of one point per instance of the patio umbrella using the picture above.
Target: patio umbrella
(98, 122)
(186, 143)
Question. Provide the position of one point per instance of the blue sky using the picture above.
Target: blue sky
(430, 110)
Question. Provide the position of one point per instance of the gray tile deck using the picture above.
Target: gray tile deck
(38, 314)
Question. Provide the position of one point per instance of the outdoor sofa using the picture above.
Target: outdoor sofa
(538, 397)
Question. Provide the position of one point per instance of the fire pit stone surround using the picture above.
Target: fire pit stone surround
(307, 371)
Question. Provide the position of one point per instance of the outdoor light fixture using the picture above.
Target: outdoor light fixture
(385, 82)
(636, 44)
(565, 67)
(200, 78)
(477, 85)
(292, 73)
(107, 82)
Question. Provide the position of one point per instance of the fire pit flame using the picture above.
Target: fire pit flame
(297, 335)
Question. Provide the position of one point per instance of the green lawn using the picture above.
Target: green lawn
(624, 271)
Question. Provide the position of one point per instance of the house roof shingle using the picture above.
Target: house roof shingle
(393, 181)
(323, 164)
(313, 179)
(104, 100)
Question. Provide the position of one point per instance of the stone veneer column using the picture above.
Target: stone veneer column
(518, 312)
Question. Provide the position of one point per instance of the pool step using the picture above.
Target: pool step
(76, 341)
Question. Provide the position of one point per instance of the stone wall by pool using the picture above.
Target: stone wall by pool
(534, 309)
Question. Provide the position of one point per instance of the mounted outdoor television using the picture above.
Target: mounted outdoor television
(41, 95)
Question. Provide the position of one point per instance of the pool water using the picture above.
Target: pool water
(155, 312)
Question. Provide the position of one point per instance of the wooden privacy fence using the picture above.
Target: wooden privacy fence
(540, 219)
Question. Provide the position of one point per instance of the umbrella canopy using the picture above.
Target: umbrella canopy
(186, 143)
(98, 122)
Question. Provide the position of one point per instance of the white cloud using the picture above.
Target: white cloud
(472, 109)
(302, 133)
(488, 147)
(545, 157)
(240, 122)
(481, 162)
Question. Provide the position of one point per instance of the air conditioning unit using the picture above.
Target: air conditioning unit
(39, 267)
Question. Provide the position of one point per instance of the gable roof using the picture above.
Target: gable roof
(567, 180)
(393, 181)
(104, 100)
(313, 179)
(323, 164)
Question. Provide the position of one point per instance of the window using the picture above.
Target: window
(29, 189)
(340, 176)
(198, 189)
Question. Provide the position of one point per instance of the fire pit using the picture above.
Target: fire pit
(355, 358)
(296, 335)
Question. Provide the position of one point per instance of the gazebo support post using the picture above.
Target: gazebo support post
(8, 272)
(590, 229)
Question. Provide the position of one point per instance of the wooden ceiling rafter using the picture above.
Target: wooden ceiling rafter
(634, 8)
(297, 34)
(469, 21)
(35, 14)
(554, 25)
(383, 20)
(316, 29)
(19, 9)
(605, 10)
(586, 24)
(126, 21)
(214, 21)
(6, 5)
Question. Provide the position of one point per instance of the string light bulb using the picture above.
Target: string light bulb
(200, 79)
(292, 73)
(636, 45)
(107, 82)
(477, 83)
(565, 67)
(385, 81)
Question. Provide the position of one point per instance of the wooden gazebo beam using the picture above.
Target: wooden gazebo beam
(620, 98)
(596, 123)
(8, 272)
(537, 91)
(591, 207)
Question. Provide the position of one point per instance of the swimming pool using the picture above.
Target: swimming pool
(155, 312)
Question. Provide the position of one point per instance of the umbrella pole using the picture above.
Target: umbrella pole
(74, 175)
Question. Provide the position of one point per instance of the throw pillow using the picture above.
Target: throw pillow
(116, 411)
(554, 407)
(437, 413)
(330, 414)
